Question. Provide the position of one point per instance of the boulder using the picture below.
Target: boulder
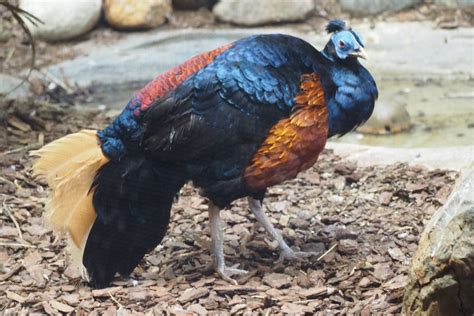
(369, 7)
(251, 12)
(131, 14)
(10, 87)
(455, 3)
(62, 20)
(389, 116)
(441, 278)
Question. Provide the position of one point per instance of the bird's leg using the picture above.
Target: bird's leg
(217, 246)
(285, 251)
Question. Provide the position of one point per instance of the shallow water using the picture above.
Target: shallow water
(442, 114)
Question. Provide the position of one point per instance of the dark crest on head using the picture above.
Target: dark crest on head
(335, 26)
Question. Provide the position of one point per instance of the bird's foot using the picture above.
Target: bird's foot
(226, 273)
(291, 255)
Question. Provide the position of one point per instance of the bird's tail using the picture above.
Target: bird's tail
(115, 211)
(69, 166)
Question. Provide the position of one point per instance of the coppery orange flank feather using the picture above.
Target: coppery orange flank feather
(294, 143)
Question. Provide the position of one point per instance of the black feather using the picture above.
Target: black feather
(132, 199)
(335, 26)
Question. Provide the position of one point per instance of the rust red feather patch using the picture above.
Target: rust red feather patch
(169, 80)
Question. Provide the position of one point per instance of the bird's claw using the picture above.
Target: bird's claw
(291, 255)
(226, 273)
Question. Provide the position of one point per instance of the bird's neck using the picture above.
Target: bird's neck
(329, 51)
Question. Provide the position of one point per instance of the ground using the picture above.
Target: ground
(364, 223)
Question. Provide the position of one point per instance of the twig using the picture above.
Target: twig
(16, 150)
(115, 300)
(305, 301)
(6, 209)
(14, 244)
(19, 15)
(327, 252)
(9, 56)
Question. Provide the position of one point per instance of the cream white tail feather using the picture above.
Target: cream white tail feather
(69, 166)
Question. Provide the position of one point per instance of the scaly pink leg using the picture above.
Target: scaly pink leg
(217, 246)
(285, 251)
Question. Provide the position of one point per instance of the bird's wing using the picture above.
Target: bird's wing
(247, 89)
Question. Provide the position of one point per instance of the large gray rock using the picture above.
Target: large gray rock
(8, 83)
(455, 3)
(62, 20)
(368, 7)
(441, 278)
(251, 12)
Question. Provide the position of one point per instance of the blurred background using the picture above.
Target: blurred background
(96, 54)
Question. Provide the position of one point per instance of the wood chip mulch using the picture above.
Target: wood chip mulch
(363, 222)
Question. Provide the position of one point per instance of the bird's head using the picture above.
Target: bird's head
(345, 42)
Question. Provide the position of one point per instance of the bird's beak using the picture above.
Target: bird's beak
(360, 53)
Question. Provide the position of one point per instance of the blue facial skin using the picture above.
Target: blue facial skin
(346, 42)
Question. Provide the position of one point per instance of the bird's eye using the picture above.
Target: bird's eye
(341, 44)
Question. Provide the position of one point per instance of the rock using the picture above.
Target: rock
(250, 12)
(389, 116)
(441, 278)
(396, 254)
(62, 20)
(368, 7)
(385, 198)
(192, 4)
(382, 271)
(348, 246)
(454, 3)
(277, 280)
(129, 14)
(8, 83)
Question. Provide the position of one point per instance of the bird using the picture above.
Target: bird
(232, 121)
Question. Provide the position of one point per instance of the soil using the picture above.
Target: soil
(364, 223)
